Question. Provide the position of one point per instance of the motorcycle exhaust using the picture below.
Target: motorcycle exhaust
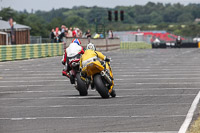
(103, 74)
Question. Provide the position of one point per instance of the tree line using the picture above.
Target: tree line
(176, 18)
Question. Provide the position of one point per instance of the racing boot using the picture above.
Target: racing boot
(92, 85)
(72, 79)
(65, 73)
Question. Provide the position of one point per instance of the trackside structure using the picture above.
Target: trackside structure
(22, 33)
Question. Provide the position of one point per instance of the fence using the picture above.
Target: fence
(125, 36)
(17, 52)
(149, 36)
(35, 39)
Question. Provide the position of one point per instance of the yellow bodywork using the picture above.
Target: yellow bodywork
(95, 67)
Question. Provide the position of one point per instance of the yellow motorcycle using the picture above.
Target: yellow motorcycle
(99, 75)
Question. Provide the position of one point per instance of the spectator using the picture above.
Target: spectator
(57, 34)
(63, 27)
(70, 32)
(62, 34)
(74, 32)
(66, 32)
(88, 35)
(110, 34)
(12, 31)
(79, 33)
(52, 35)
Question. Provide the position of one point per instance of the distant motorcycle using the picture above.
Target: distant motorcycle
(178, 42)
(100, 76)
(75, 78)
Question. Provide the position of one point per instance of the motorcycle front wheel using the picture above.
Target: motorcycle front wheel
(81, 86)
(100, 87)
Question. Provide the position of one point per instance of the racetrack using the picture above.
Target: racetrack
(155, 89)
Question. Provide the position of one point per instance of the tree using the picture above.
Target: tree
(155, 18)
(7, 13)
(38, 25)
(185, 17)
(76, 21)
(56, 22)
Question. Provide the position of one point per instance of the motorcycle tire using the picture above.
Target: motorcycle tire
(113, 93)
(81, 86)
(100, 87)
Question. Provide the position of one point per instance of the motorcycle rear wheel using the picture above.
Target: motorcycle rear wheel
(81, 86)
(100, 87)
(113, 93)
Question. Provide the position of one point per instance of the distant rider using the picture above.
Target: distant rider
(178, 41)
(74, 50)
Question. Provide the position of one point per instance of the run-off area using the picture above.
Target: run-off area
(155, 90)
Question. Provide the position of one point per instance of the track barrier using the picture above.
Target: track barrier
(173, 45)
(29, 51)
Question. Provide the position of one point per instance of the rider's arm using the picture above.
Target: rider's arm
(64, 57)
(100, 55)
(82, 51)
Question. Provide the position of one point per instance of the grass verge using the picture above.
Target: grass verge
(135, 45)
(195, 127)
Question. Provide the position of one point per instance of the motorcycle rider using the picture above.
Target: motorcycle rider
(73, 51)
(178, 41)
(90, 55)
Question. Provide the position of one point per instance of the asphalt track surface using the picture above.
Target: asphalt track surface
(155, 90)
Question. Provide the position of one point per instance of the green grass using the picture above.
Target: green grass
(135, 45)
(195, 127)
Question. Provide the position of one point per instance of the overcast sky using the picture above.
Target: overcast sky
(47, 5)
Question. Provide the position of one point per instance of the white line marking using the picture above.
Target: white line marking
(137, 83)
(143, 132)
(67, 90)
(136, 77)
(158, 75)
(117, 89)
(191, 78)
(33, 86)
(190, 115)
(97, 105)
(34, 74)
(170, 83)
(124, 73)
(78, 97)
(15, 81)
(49, 91)
(91, 117)
(26, 77)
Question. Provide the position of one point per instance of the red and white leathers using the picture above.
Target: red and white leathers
(72, 51)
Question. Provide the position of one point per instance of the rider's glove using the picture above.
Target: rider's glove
(63, 62)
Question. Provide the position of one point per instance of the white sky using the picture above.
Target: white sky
(46, 5)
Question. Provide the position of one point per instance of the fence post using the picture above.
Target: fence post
(106, 44)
